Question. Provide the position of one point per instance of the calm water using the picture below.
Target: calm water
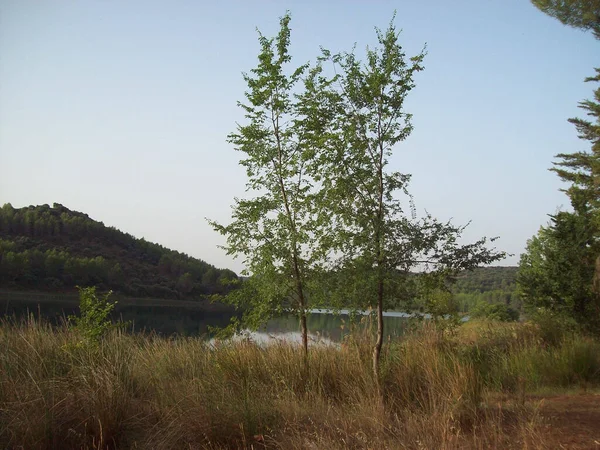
(324, 327)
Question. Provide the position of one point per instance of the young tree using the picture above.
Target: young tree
(274, 231)
(355, 120)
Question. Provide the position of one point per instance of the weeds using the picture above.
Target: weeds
(143, 391)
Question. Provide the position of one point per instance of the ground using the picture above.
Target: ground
(571, 421)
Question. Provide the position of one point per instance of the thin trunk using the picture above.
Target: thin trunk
(380, 239)
(304, 329)
(379, 341)
(295, 258)
(302, 301)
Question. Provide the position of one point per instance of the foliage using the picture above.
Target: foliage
(93, 320)
(274, 232)
(486, 279)
(553, 271)
(560, 270)
(328, 215)
(495, 311)
(374, 239)
(52, 248)
(583, 14)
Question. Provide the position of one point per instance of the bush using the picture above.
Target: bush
(495, 311)
(93, 321)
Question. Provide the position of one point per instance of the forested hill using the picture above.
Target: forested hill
(487, 285)
(54, 248)
(486, 279)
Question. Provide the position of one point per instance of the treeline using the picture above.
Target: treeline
(488, 291)
(43, 247)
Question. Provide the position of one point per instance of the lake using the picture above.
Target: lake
(186, 318)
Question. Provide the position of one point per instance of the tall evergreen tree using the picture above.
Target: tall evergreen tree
(560, 269)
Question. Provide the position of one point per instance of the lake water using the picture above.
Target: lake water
(189, 319)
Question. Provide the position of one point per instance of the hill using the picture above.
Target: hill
(487, 285)
(54, 248)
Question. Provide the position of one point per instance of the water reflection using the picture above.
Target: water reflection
(324, 327)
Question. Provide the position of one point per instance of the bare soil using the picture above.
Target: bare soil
(571, 421)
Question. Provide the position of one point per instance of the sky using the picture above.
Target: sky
(121, 108)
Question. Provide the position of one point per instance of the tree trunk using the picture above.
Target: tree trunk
(596, 288)
(302, 305)
(379, 341)
(596, 282)
(304, 331)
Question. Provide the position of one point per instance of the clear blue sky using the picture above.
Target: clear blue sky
(120, 109)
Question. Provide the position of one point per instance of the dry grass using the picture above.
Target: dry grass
(147, 392)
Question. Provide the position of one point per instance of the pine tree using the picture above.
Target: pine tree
(583, 14)
(560, 269)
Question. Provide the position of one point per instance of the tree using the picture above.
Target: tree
(583, 14)
(560, 269)
(274, 231)
(374, 240)
(185, 283)
(556, 270)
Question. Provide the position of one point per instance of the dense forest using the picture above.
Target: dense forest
(476, 289)
(54, 248)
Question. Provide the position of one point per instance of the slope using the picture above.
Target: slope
(56, 249)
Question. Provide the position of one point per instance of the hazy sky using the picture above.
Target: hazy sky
(120, 108)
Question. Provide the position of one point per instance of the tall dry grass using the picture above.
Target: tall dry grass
(150, 392)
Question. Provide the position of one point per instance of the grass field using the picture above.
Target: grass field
(481, 386)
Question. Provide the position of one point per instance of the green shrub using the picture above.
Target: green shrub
(495, 311)
(93, 321)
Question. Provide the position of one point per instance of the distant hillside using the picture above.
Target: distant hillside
(485, 279)
(487, 285)
(54, 248)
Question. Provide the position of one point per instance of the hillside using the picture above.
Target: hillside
(54, 248)
(487, 285)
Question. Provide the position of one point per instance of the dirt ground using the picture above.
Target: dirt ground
(571, 421)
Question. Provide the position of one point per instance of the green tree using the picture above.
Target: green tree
(495, 311)
(375, 241)
(185, 283)
(274, 231)
(583, 14)
(560, 269)
(557, 268)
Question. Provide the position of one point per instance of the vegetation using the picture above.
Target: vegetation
(375, 239)
(583, 14)
(477, 288)
(135, 391)
(326, 222)
(93, 321)
(327, 207)
(275, 231)
(54, 248)
(560, 270)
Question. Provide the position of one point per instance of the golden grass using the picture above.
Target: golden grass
(149, 392)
